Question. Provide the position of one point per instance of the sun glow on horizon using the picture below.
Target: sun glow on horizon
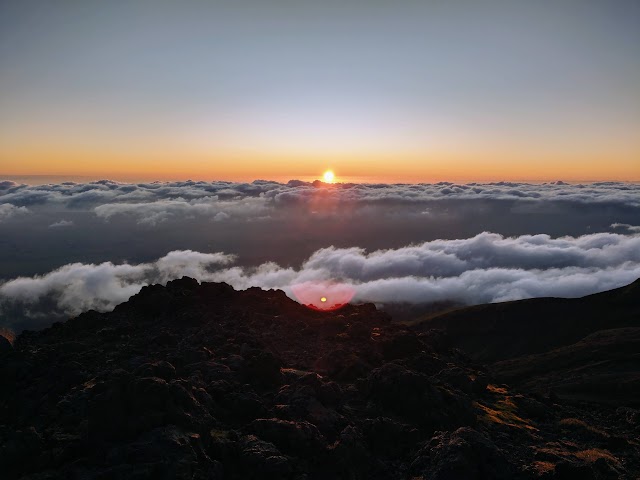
(329, 176)
(323, 295)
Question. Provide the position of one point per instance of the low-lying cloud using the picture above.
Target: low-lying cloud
(152, 213)
(285, 222)
(204, 195)
(627, 227)
(69, 247)
(61, 224)
(485, 268)
(7, 210)
(77, 287)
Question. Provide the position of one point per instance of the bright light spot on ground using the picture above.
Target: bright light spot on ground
(323, 295)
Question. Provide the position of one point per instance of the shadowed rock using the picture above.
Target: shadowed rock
(194, 381)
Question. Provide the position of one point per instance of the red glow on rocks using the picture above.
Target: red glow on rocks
(323, 296)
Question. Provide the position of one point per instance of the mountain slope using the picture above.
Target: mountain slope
(602, 367)
(500, 331)
(583, 349)
(193, 381)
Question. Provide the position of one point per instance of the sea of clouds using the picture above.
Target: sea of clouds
(435, 246)
(110, 198)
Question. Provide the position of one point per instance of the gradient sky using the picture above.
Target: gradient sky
(407, 90)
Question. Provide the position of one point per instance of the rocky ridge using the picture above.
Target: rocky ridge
(196, 381)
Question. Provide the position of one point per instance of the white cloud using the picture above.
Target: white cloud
(189, 193)
(62, 224)
(485, 268)
(188, 263)
(8, 210)
(79, 287)
(159, 211)
(626, 226)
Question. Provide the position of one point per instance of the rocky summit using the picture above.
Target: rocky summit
(199, 381)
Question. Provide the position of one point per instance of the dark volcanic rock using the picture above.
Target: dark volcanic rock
(262, 368)
(500, 331)
(163, 453)
(302, 438)
(194, 381)
(5, 345)
(576, 349)
(160, 369)
(263, 460)
(463, 454)
(386, 436)
(21, 446)
(413, 396)
(571, 471)
(402, 345)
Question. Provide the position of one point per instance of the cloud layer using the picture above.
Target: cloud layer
(414, 243)
(210, 198)
(485, 268)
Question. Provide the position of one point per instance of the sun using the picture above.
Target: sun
(328, 176)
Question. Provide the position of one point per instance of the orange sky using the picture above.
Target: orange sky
(369, 167)
(426, 91)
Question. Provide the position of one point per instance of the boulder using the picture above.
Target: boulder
(401, 344)
(573, 471)
(160, 369)
(163, 453)
(411, 395)
(263, 460)
(342, 365)
(349, 453)
(464, 454)
(21, 447)
(389, 438)
(262, 369)
(5, 345)
(298, 438)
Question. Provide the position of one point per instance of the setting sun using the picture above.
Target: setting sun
(328, 176)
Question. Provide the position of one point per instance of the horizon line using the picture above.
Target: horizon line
(356, 179)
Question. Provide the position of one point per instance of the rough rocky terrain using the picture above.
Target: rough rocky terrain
(194, 381)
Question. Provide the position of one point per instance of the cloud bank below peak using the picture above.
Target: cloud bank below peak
(7, 210)
(485, 268)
